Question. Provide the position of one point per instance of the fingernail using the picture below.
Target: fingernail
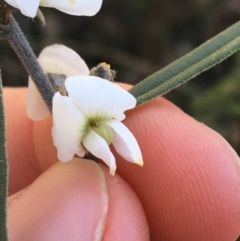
(67, 202)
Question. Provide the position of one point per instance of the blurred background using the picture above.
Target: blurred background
(140, 37)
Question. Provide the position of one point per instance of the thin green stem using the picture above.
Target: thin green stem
(187, 67)
(3, 171)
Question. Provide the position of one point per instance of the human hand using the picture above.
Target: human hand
(189, 185)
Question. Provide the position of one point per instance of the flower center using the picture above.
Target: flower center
(103, 130)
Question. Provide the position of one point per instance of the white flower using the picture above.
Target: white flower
(73, 7)
(89, 118)
(57, 59)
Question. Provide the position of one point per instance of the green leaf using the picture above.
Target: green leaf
(3, 171)
(187, 67)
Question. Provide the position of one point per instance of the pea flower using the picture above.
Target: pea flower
(73, 7)
(89, 119)
(57, 59)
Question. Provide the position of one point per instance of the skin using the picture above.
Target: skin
(188, 188)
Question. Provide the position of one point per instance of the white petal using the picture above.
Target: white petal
(36, 107)
(125, 143)
(69, 127)
(74, 7)
(27, 7)
(99, 148)
(98, 97)
(57, 59)
(60, 59)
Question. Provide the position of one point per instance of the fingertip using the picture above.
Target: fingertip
(29, 143)
(126, 218)
(68, 201)
(76, 200)
(190, 183)
(19, 145)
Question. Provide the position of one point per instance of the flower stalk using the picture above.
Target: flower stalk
(13, 34)
(187, 67)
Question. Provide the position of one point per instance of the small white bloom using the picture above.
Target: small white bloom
(89, 118)
(57, 59)
(73, 7)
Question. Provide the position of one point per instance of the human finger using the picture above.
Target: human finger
(173, 143)
(189, 185)
(29, 143)
(77, 200)
(26, 162)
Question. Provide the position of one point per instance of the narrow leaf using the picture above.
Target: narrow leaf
(187, 67)
(3, 171)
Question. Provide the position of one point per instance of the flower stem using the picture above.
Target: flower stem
(187, 67)
(3, 171)
(13, 34)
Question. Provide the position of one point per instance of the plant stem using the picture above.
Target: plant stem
(13, 34)
(187, 67)
(3, 172)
